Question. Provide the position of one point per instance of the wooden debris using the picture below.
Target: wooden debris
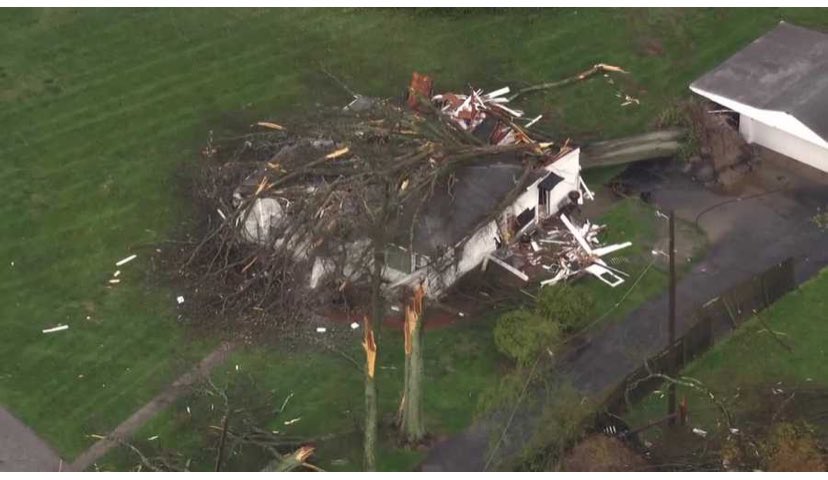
(125, 260)
(59, 328)
(370, 347)
(270, 125)
(337, 153)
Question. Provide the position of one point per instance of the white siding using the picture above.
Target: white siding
(482, 242)
(785, 143)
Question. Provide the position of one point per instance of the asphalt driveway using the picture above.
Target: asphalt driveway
(768, 219)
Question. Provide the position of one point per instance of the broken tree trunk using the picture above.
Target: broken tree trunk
(410, 419)
(649, 146)
(369, 344)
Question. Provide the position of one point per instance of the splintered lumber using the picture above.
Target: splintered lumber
(370, 347)
(510, 268)
(649, 146)
(270, 125)
(56, 329)
(125, 260)
(337, 153)
(291, 461)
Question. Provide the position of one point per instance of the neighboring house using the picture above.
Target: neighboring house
(486, 207)
(779, 87)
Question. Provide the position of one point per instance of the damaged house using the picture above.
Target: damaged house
(778, 86)
(490, 204)
(480, 205)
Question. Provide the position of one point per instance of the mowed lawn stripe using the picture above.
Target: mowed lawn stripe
(119, 61)
(131, 83)
(165, 87)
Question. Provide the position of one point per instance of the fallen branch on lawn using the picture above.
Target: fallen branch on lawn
(688, 382)
(598, 68)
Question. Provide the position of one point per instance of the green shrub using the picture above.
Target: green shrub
(567, 306)
(522, 334)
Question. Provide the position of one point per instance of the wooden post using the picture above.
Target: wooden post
(671, 328)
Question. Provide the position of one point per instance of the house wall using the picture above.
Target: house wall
(482, 242)
(785, 143)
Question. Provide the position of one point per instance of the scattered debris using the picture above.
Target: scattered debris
(125, 260)
(700, 432)
(270, 125)
(115, 280)
(56, 329)
(337, 153)
(117, 272)
(321, 329)
(154, 437)
(292, 421)
(179, 299)
(354, 325)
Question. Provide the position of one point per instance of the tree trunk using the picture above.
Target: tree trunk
(411, 423)
(370, 346)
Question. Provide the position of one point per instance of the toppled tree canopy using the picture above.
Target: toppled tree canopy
(290, 200)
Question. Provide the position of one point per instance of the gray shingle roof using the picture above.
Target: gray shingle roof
(784, 70)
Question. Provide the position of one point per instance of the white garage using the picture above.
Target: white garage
(779, 87)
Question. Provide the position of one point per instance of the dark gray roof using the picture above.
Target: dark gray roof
(463, 203)
(784, 70)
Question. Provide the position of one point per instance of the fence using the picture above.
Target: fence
(714, 320)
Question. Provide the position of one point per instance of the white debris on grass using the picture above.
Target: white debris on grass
(354, 325)
(700, 432)
(117, 272)
(179, 299)
(56, 329)
(321, 329)
(292, 421)
(126, 260)
(154, 437)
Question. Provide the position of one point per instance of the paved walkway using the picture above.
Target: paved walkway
(21, 450)
(747, 236)
(164, 399)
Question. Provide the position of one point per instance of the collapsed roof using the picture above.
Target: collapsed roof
(785, 70)
(465, 200)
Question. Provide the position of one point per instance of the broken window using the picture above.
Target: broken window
(524, 218)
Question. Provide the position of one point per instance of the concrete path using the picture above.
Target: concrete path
(164, 399)
(771, 222)
(21, 450)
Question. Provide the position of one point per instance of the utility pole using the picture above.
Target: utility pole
(671, 327)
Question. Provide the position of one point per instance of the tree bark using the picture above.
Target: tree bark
(371, 351)
(410, 420)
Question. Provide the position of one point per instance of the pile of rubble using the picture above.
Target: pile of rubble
(562, 250)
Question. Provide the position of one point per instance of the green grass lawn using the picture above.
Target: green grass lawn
(633, 220)
(99, 107)
(753, 359)
(327, 396)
